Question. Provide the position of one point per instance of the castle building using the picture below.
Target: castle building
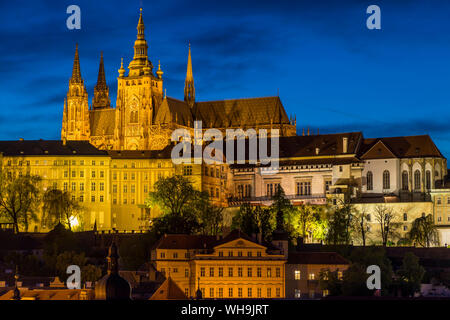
(144, 118)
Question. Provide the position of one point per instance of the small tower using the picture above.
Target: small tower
(198, 293)
(16, 295)
(122, 69)
(101, 90)
(140, 58)
(159, 73)
(189, 89)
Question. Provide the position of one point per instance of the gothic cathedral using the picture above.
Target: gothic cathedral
(144, 117)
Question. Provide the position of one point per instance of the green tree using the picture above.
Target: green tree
(209, 216)
(19, 199)
(134, 250)
(58, 207)
(254, 220)
(90, 273)
(340, 219)
(66, 259)
(410, 274)
(423, 231)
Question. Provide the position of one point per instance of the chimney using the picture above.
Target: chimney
(344, 145)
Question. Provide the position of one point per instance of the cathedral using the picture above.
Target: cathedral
(144, 117)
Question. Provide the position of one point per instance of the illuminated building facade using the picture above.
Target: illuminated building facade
(235, 266)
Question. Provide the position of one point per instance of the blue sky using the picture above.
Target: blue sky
(329, 69)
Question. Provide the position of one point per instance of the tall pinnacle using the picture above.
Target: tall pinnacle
(101, 90)
(76, 72)
(189, 89)
(140, 58)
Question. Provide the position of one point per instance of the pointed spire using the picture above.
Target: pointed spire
(140, 58)
(159, 73)
(122, 69)
(189, 89)
(101, 90)
(76, 72)
(113, 258)
(140, 26)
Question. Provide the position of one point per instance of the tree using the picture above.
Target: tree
(90, 273)
(58, 207)
(172, 195)
(254, 220)
(339, 224)
(209, 216)
(386, 221)
(424, 232)
(19, 199)
(361, 225)
(410, 274)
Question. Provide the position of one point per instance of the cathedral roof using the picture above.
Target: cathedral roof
(102, 121)
(174, 110)
(48, 147)
(399, 147)
(249, 112)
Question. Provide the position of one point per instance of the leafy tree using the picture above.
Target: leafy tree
(19, 199)
(361, 225)
(386, 221)
(66, 259)
(339, 224)
(410, 274)
(134, 250)
(174, 224)
(173, 195)
(90, 273)
(209, 216)
(253, 220)
(423, 231)
(58, 207)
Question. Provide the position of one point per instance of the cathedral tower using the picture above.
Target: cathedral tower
(101, 90)
(75, 124)
(189, 89)
(138, 96)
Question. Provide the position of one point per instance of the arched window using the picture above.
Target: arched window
(405, 180)
(386, 180)
(369, 178)
(417, 180)
(428, 179)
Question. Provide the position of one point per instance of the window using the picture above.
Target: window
(92, 186)
(81, 186)
(258, 272)
(125, 176)
(405, 217)
(101, 198)
(438, 201)
(278, 272)
(386, 180)
(240, 272)
(249, 272)
(269, 272)
(271, 188)
(405, 180)
(417, 183)
(133, 188)
(304, 188)
(93, 174)
(202, 271)
(66, 186)
(175, 255)
(66, 174)
(297, 275)
(102, 186)
(297, 293)
(74, 174)
(327, 185)
(211, 292)
(186, 273)
(249, 254)
(102, 174)
(211, 272)
(269, 292)
(92, 198)
(74, 186)
(114, 188)
(369, 178)
(145, 188)
(220, 292)
(258, 292)
(405, 228)
(230, 253)
(81, 198)
(230, 292)
(249, 292)
(340, 275)
(325, 293)
(240, 292)
(187, 171)
(278, 292)
(230, 272)
(239, 253)
(125, 188)
(220, 253)
(428, 179)
(133, 176)
(186, 292)
(220, 272)
(311, 276)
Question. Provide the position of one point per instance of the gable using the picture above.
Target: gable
(378, 151)
(239, 243)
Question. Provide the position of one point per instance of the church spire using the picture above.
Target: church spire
(76, 72)
(189, 89)
(101, 90)
(140, 58)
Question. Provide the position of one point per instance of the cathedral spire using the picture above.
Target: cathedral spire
(101, 90)
(189, 89)
(140, 58)
(76, 72)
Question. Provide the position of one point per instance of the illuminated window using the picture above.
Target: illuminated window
(211, 272)
(102, 186)
(325, 293)
(220, 292)
(93, 174)
(202, 271)
(249, 292)
(230, 292)
(258, 292)
(187, 171)
(220, 272)
(211, 292)
(311, 276)
(249, 272)
(258, 272)
(240, 292)
(230, 272)
(93, 186)
(339, 274)
(240, 272)
(269, 272)
(297, 293)
(66, 186)
(74, 186)
(297, 274)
